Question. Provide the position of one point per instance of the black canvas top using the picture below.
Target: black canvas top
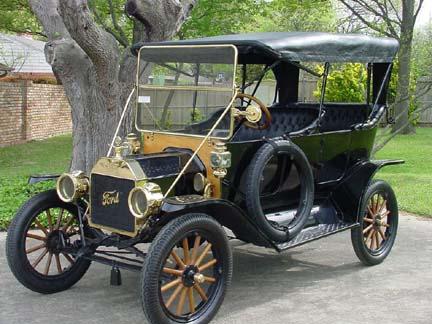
(299, 46)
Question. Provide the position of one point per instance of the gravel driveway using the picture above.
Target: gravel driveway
(321, 282)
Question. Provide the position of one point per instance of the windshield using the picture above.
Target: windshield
(186, 89)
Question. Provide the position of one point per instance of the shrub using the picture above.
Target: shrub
(13, 193)
(345, 83)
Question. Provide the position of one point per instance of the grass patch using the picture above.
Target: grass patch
(18, 162)
(48, 156)
(411, 181)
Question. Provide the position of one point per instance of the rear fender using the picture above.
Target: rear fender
(349, 192)
(225, 212)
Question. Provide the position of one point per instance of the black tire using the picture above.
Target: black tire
(186, 227)
(252, 194)
(16, 254)
(374, 253)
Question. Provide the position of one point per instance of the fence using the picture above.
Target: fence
(32, 111)
(424, 91)
(37, 111)
(307, 86)
(173, 109)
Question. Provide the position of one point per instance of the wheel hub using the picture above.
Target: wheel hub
(378, 220)
(191, 275)
(56, 241)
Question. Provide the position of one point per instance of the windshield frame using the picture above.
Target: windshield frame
(227, 109)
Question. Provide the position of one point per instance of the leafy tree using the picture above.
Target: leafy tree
(298, 15)
(220, 17)
(16, 17)
(88, 45)
(393, 18)
(210, 17)
(422, 54)
(91, 57)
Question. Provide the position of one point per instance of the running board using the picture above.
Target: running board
(314, 233)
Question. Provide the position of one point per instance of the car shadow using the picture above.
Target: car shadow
(259, 276)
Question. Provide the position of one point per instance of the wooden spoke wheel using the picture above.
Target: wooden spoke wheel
(186, 271)
(374, 239)
(39, 243)
(49, 233)
(376, 222)
(188, 276)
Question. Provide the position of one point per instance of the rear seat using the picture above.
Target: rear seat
(296, 116)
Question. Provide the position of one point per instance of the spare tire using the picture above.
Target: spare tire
(252, 194)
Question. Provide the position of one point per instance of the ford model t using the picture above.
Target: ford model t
(213, 157)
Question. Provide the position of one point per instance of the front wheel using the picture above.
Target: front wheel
(374, 238)
(35, 243)
(187, 271)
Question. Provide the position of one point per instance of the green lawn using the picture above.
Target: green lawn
(51, 155)
(412, 181)
(19, 161)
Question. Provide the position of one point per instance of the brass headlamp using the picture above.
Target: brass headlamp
(71, 186)
(145, 200)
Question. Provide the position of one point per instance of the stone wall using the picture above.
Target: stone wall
(32, 111)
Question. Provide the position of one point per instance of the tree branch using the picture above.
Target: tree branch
(107, 28)
(384, 14)
(425, 90)
(162, 19)
(122, 35)
(47, 14)
(99, 45)
(395, 11)
(366, 22)
(393, 133)
(418, 9)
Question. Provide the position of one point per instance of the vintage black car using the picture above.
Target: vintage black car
(208, 161)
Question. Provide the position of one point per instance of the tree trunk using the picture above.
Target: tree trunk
(96, 77)
(403, 89)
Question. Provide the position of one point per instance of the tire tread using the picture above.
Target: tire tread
(150, 279)
(20, 268)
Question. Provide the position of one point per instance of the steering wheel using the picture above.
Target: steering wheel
(252, 114)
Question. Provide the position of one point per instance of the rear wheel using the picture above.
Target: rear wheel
(374, 239)
(186, 272)
(35, 244)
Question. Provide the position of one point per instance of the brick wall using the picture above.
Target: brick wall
(11, 113)
(32, 111)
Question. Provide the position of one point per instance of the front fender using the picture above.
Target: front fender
(349, 192)
(35, 178)
(224, 211)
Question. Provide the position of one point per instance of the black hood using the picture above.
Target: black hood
(168, 163)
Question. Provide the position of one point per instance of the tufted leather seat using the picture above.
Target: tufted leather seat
(343, 116)
(284, 120)
(296, 116)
